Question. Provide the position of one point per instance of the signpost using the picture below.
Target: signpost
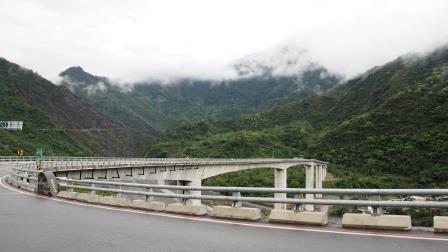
(39, 154)
(39, 159)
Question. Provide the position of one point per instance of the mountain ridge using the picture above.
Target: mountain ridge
(49, 112)
(164, 105)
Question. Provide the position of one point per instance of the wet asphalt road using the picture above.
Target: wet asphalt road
(29, 223)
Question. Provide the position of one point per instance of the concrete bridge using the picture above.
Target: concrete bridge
(188, 172)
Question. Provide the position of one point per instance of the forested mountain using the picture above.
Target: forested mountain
(389, 123)
(161, 105)
(57, 120)
(391, 120)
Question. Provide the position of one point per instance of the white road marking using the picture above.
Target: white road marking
(257, 225)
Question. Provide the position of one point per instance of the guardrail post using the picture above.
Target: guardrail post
(70, 189)
(92, 190)
(237, 203)
(119, 194)
(298, 207)
(375, 209)
(147, 197)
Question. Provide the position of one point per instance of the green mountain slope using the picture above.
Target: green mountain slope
(391, 120)
(154, 104)
(57, 120)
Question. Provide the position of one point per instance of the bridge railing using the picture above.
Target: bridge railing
(14, 159)
(54, 163)
(147, 190)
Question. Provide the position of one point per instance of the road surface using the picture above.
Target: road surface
(31, 223)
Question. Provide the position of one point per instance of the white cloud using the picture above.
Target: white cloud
(132, 40)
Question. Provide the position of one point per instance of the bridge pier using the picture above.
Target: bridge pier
(318, 178)
(280, 182)
(194, 202)
(309, 171)
(325, 172)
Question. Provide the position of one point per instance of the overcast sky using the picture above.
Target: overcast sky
(133, 40)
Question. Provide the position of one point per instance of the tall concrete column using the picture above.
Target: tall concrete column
(325, 172)
(280, 182)
(309, 171)
(320, 173)
(316, 178)
(180, 183)
(194, 202)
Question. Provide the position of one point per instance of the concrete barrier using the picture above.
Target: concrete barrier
(243, 213)
(10, 181)
(289, 216)
(87, 197)
(441, 224)
(148, 205)
(186, 209)
(67, 195)
(24, 186)
(393, 222)
(114, 201)
(27, 187)
(93, 198)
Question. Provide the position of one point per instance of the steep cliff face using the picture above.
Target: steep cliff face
(58, 120)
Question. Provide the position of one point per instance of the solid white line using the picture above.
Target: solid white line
(257, 225)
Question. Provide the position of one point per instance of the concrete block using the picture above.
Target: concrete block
(67, 195)
(289, 216)
(113, 201)
(24, 186)
(394, 222)
(186, 209)
(82, 196)
(441, 224)
(243, 213)
(27, 187)
(93, 198)
(148, 205)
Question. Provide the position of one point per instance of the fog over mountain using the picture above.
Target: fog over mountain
(138, 40)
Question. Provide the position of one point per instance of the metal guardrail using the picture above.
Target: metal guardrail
(268, 190)
(294, 201)
(29, 176)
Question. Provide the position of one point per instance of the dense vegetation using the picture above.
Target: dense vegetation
(56, 120)
(385, 128)
(159, 105)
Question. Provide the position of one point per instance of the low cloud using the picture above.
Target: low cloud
(140, 40)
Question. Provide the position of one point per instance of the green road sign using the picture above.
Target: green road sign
(39, 154)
